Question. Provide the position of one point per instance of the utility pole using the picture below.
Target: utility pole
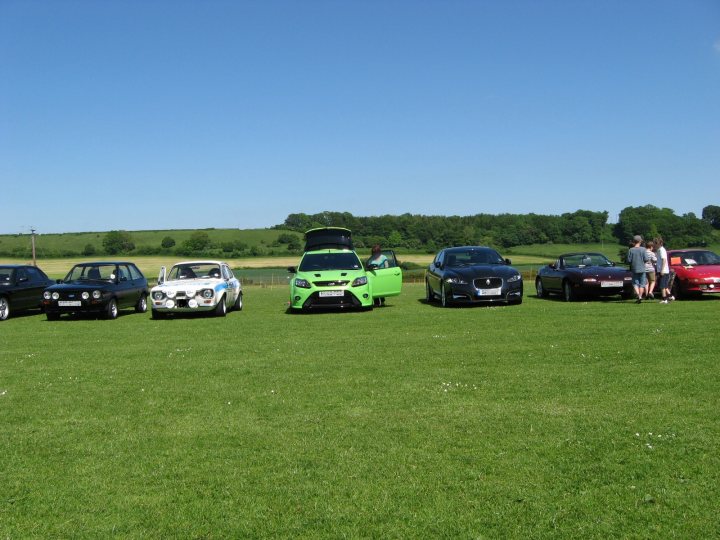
(32, 236)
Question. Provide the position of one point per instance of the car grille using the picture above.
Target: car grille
(337, 283)
(488, 283)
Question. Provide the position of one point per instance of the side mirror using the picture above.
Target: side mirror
(553, 266)
(58, 281)
(508, 262)
(373, 266)
(292, 269)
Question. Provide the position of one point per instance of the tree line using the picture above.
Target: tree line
(421, 232)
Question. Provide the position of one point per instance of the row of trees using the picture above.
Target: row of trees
(507, 230)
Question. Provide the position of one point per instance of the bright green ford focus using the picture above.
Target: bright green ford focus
(332, 276)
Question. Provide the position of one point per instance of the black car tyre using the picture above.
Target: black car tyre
(429, 294)
(221, 308)
(238, 305)
(111, 312)
(4, 308)
(444, 299)
(539, 289)
(568, 292)
(141, 306)
(676, 290)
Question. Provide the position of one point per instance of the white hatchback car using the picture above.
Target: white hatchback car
(196, 286)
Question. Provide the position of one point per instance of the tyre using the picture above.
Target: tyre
(141, 306)
(4, 308)
(429, 294)
(539, 289)
(444, 298)
(111, 311)
(221, 308)
(568, 292)
(238, 305)
(676, 290)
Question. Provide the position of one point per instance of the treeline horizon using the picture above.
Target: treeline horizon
(422, 232)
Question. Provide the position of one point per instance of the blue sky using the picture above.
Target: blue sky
(177, 114)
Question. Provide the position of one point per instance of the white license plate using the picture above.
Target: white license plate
(489, 292)
(325, 294)
(611, 284)
(69, 303)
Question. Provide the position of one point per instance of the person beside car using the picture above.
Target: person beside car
(650, 268)
(637, 257)
(663, 270)
(377, 260)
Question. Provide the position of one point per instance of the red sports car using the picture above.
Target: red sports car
(697, 271)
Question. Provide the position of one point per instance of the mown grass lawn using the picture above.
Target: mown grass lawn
(582, 420)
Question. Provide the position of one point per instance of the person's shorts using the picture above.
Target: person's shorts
(663, 281)
(650, 276)
(639, 279)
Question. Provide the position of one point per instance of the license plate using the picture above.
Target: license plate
(69, 303)
(489, 292)
(611, 284)
(325, 294)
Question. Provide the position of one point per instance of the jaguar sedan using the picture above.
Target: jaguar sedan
(21, 288)
(100, 288)
(472, 274)
(574, 275)
(697, 272)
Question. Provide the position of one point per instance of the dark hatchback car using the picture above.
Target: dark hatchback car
(575, 275)
(101, 288)
(21, 288)
(472, 274)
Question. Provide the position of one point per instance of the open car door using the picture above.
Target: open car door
(386, 281)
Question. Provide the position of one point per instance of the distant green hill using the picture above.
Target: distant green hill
(227, 242)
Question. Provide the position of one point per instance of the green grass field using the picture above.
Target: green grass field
(581, 420)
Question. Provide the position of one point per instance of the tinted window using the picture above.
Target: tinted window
(35, 274)
(21, 275)
(330, 261)
(134, 272)
(5, 275)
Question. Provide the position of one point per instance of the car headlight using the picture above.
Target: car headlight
(207, 293)
(513, 279)
(302, 283)
(158, 295)
(85, 295)
(456, 281)
(171, 294)
(190, 293)
(47, 295)
(97, 295)
(56, 296)
(357, 282)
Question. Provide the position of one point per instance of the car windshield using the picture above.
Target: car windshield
(330, 261)
(580, 260)
(696, 258)
(92, 272)
(194, 271)
(472, 257)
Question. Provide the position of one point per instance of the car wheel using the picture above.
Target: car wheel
(429, 294)
(568, 292)
(141, 306)
(444, 299)
(539, 289)
(221, 308)
(238, 305)
(4, 308)
(111, 312)
(676, 290)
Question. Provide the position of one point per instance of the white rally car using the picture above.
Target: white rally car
(196, 286)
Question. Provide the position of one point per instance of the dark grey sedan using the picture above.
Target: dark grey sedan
(471, 275)
(21, 288)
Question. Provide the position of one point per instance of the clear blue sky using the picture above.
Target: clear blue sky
(185, 114)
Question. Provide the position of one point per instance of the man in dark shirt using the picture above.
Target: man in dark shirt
(637, 257)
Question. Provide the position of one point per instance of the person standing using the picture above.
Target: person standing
(650, 268)
(637, 257)
(663, 270)
(377, 260)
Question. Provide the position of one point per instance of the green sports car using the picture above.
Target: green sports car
(332, 276)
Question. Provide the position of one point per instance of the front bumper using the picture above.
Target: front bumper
(317, 299)
(469, 294)
(77, 306)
